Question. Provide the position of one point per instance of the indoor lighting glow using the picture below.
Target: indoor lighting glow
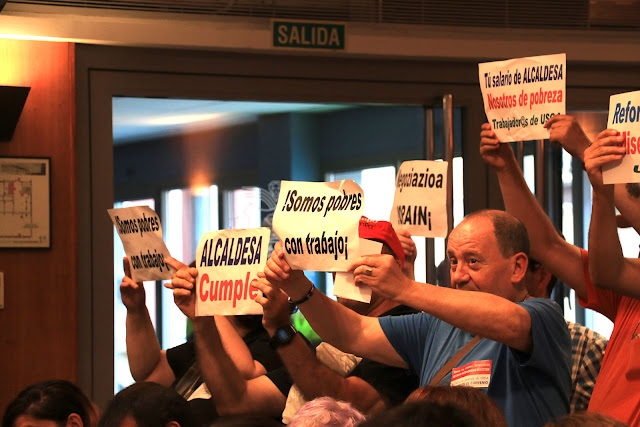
(182, 119)
(200, 190)
(35, 38)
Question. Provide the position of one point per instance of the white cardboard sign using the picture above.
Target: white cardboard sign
(521, 94)
(624, 116)
(140, 230)
(420, 202)
(317, 223)
(345, 285)
(228, 261)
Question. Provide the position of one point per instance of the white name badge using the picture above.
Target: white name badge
(475, 374)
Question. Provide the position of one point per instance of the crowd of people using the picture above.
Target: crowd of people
(490, 350)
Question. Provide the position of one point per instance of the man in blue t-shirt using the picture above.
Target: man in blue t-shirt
(522, 361)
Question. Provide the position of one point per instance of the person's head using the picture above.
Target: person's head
(633, 190)
(246, 420)
(382, 232)
(326, 412)
(538, 280)
(52, 403)
(471, 399)
(147, 404)
(489, 252)
(585, 419)
(622, 221)
(422, 413)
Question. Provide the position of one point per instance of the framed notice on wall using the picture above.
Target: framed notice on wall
(25, 202)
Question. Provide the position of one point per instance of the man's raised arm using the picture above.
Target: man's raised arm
(146, 361)
(479, 313)
(566, 131)
(231, 392)
(561, 258)
(338, 325)
(303, 365)
(607, 265)
(235, 345)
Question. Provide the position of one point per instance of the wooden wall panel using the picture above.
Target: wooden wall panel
(38, 326)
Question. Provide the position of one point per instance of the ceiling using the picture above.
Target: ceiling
(139, 119)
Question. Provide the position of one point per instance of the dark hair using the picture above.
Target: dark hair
(553, 280)
(468, 398)
(250, 321)
(633, 189)
(246, 420)
(422, 413)
(150, 405)
(510, 232)
(52, 400)
(585, 419)
(534, 265)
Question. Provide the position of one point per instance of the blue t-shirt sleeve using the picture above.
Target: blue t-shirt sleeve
(408, 336)
(551, 339)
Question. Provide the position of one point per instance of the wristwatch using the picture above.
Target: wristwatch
(282, 336)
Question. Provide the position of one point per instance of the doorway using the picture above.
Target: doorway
(107, 72)
(188, 160)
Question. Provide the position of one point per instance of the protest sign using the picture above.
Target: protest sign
(141, 234)
(521, 94)
(624, 116)
(228, 261)
(317, 223)
(420, 202)
(344, 285)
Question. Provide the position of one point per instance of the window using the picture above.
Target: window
(441, 262)
(242, 208)
(187, 213)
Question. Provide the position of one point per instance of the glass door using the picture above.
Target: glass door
(443, 141)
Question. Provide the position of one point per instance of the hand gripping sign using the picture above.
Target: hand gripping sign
(345, 286)
(420, 202)
(141, 234)
(521, 94)
(624, 116)
(228, 261)
(317, 223)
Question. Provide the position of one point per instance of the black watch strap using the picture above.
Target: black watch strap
(282, 336)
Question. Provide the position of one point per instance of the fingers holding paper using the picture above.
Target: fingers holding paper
(275, 305)
(183, 286)
(132, 293)
(279, 273)
(382, 273)
(608, 147)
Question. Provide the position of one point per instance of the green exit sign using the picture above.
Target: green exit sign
(308, 35)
